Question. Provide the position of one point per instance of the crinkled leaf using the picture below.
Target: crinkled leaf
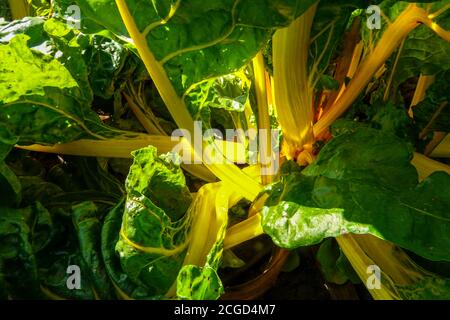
(160, 180)
(195, 42)
(17, 256)
(362, 182)
(123, 284)
(45, 90)
(88, 227)
(424, 51)
(40, 102)
(199, 283)
(153, 241)
(229, 93)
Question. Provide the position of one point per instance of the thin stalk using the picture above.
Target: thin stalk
(436, 14)
(263, 115)
(347, 62)
(148, 125)
(388, 90)
(438, 137)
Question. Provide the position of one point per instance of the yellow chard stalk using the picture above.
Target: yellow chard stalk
(293, 90)
(411, 18)
(227, 172)
(263, 111)
(19, 9)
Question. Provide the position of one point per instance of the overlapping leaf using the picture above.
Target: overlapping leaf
(362, 182)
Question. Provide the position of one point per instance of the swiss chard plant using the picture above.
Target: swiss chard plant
(116, 165)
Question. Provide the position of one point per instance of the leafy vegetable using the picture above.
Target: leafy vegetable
(93, 183)
(343, 192)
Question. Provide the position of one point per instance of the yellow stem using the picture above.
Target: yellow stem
(263, 114)
(444, 34)
(360, 261)
(144, 120)
(19, 9)
(229, 173)
(293, 93)
(443, 149)
(122, 148)
(111, 148)
(392, 37)
(243, 231)
(439, 12)
(426, 166)
(356, 58)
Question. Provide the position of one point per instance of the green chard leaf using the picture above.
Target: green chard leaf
(221, 98)
(10, 187)
(362, 183)
(43, 107)
(65, 184)
(203, 283)
(105, 58)
(45, 83)
(23, 233)
(125, 287)
(146, 238)
(160, 180)
(193, 40)
(53, 272)
(88, 226)
(154, 235)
